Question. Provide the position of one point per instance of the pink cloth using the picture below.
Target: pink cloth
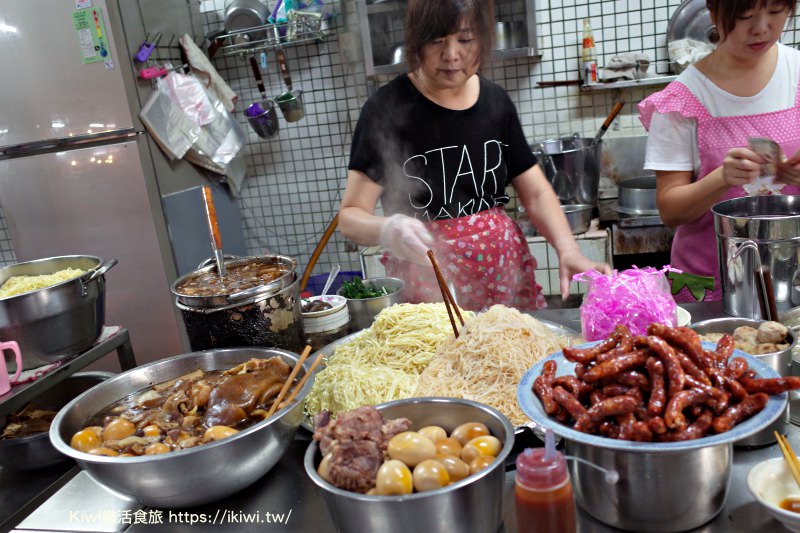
(484, 257)
(694, 248)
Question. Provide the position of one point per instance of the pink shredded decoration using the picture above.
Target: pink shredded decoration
(635, 297)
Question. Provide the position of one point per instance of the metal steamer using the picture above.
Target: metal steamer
(267, 316)
(757, 235)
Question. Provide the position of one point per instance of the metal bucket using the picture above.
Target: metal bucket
(572, 166)
(265, 316)
(754, 231)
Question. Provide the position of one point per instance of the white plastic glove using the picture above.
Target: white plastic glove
(406, 238)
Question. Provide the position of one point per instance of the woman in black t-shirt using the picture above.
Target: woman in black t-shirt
(438, 146)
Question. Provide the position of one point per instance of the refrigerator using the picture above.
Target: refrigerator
(78, 173)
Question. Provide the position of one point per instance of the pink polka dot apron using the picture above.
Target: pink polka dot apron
(484, 258)
(694, 248)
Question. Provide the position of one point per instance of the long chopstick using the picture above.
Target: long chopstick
(303, 380)
(289, 380)
(789, 456)
(447, 296)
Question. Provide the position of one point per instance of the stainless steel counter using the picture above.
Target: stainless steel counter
(286, 500)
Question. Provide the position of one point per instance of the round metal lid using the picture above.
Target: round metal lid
(691, 20)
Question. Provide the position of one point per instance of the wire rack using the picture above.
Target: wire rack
(301, 28)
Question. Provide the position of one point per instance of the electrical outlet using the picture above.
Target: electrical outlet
(348, 47)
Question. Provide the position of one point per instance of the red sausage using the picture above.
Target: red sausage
(658, 394)
(734, 414)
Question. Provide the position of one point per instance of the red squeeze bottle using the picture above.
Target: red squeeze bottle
(544, 498)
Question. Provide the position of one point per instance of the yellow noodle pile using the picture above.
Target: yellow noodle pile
(488, 359)
(384, 361)
(19, 284)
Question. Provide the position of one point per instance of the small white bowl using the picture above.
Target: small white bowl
(770, 482)
(336, 301)
(684, 317)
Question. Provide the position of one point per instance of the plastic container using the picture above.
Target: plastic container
(317, 282)
(323, 327)
(543, 492)
(588, 55)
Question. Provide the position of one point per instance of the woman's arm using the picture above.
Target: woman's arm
(681, 200)
(357, 220)
(544, 210)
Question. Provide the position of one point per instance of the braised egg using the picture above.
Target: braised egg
(430, 474)
(411, 448)
(394, 478)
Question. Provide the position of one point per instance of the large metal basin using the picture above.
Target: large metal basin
(192, 476)
(56, 322)
(472, 505)
(36, 451)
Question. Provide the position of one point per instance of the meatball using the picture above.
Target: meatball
(746, 338)
(772, 332)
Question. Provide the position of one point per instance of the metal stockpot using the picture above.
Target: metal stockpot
(572, 166)
(772, 224)
(267, 316)
(56, 322)
(656, 491)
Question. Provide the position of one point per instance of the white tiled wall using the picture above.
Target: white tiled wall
(296, 178)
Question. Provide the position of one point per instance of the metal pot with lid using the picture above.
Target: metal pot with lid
(256, 303)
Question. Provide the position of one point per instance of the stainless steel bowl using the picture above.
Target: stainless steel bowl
(662, 486)
(187, 477)
(363, 310)
(474, 504)
(36, 451)
(56, 322)
(780, 362)
(637, 196)
(579, 216)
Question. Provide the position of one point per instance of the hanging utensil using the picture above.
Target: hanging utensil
(290, 101)
(609, 119)
(213, 227)
(331, 277)
(262, 115)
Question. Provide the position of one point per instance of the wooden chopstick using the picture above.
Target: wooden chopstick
(289, 381)
(447, 296)
(303, 380)
(789, 456)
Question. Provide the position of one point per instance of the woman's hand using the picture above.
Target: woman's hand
(574, 262)
(741, 166)
(406, 238)
(789, 171)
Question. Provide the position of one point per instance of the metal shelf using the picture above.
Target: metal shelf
(303, 29)
(644, 82)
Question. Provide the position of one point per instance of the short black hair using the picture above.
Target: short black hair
(427, 20)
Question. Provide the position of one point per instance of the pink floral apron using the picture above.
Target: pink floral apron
(484, 258)
(694, 248)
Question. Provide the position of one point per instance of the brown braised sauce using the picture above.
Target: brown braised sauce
(237, 278)
(178, 414)
(791, 504)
